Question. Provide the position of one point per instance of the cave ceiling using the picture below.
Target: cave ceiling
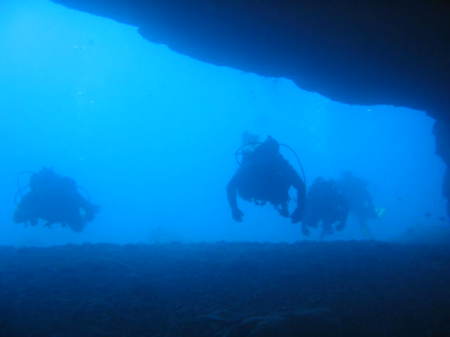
(369, 52)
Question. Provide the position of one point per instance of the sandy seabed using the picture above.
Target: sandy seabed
(226, 290)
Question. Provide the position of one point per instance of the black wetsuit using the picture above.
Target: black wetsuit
(54, 199)
(266, 177)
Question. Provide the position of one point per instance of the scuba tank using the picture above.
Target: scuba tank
(249, 147)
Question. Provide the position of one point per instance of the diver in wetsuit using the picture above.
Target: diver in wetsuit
(326, 206)
(359, 201)
(54, 199)
(264, 176)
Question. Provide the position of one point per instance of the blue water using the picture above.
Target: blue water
(151, 135)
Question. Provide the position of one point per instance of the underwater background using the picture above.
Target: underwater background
(150, 136)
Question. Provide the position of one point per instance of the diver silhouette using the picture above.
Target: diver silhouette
(326, 206)
(264, 176)
(54, 199)
(359, 199)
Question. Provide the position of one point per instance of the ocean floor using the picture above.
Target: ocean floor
(226, 290)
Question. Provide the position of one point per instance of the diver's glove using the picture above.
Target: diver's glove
(297, 215)
(237, 214)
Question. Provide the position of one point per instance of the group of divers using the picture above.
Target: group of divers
(263, 176)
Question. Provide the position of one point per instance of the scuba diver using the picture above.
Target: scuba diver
(325, 207)
(54, 199)
(264, 176)
(359, 200)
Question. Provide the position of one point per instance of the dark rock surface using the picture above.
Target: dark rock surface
(371, 52)
(306, 289)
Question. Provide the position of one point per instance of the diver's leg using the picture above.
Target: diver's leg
(76, 226)
(75, 220)
(305, 230)
(90, 211)
(327, 229)
(364, 227)
(283, 210)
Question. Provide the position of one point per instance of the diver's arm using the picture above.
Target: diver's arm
(300, 187)
(232, 199)
(343, 215)
(369, 206)
(90, 210)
